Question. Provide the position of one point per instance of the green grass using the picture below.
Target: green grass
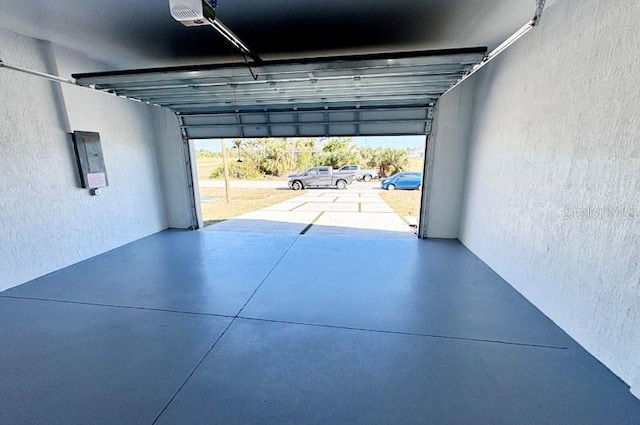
(241, 201)
(404, 202)
(206, 167)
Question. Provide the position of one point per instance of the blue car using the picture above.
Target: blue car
(410, 180)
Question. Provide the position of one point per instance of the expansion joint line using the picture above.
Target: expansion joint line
(310, 225)
(226, 329)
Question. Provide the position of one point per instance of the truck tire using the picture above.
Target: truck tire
(367, 178)
(341, 184)
(297, 185)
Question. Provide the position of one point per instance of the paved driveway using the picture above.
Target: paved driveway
(266, 184)
(357, 211)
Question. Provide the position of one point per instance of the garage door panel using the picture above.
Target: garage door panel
(395, 114)
(380, 94)
(212, 133)
(306, 123)
(283, 131)
(255, 131)
(343, 116)
(407, 128)
(281, 117)
(342, 130)
(310, 130)
(254, 118)
(214, 119)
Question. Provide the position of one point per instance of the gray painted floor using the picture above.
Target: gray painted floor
(224, 327)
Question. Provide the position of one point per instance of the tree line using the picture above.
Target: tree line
(277, 157)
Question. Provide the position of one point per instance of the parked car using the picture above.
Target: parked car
(361, 173)
(410, 180)
(324, 176)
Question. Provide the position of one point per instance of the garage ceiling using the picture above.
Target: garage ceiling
(141, 34)
(378, 65)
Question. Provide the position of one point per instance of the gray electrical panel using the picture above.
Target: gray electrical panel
(93, 174)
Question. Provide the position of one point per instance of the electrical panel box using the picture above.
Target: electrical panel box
(88, 149)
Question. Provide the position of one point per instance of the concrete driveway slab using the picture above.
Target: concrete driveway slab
(357, 212)
(362, 225)
(348, 199)
(273, 222)
(284, 206)
(377, 207)
(331, 206)
(316, 199)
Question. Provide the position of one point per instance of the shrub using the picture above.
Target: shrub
(238, 171)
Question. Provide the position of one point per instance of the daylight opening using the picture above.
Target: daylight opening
(354, 186)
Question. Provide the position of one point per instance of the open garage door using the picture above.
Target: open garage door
(390, 94)
(366, 95)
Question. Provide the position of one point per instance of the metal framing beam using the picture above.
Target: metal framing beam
(297, 123)
(462, 55)
(282, 111)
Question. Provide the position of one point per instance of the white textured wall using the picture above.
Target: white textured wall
(46, 221)
(445, 167)
(553, 187)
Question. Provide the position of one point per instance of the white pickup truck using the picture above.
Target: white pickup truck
(360, 173)
(324, 176)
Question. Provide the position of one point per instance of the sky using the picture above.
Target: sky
(371, 141)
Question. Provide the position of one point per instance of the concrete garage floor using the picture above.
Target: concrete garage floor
(226, 327)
